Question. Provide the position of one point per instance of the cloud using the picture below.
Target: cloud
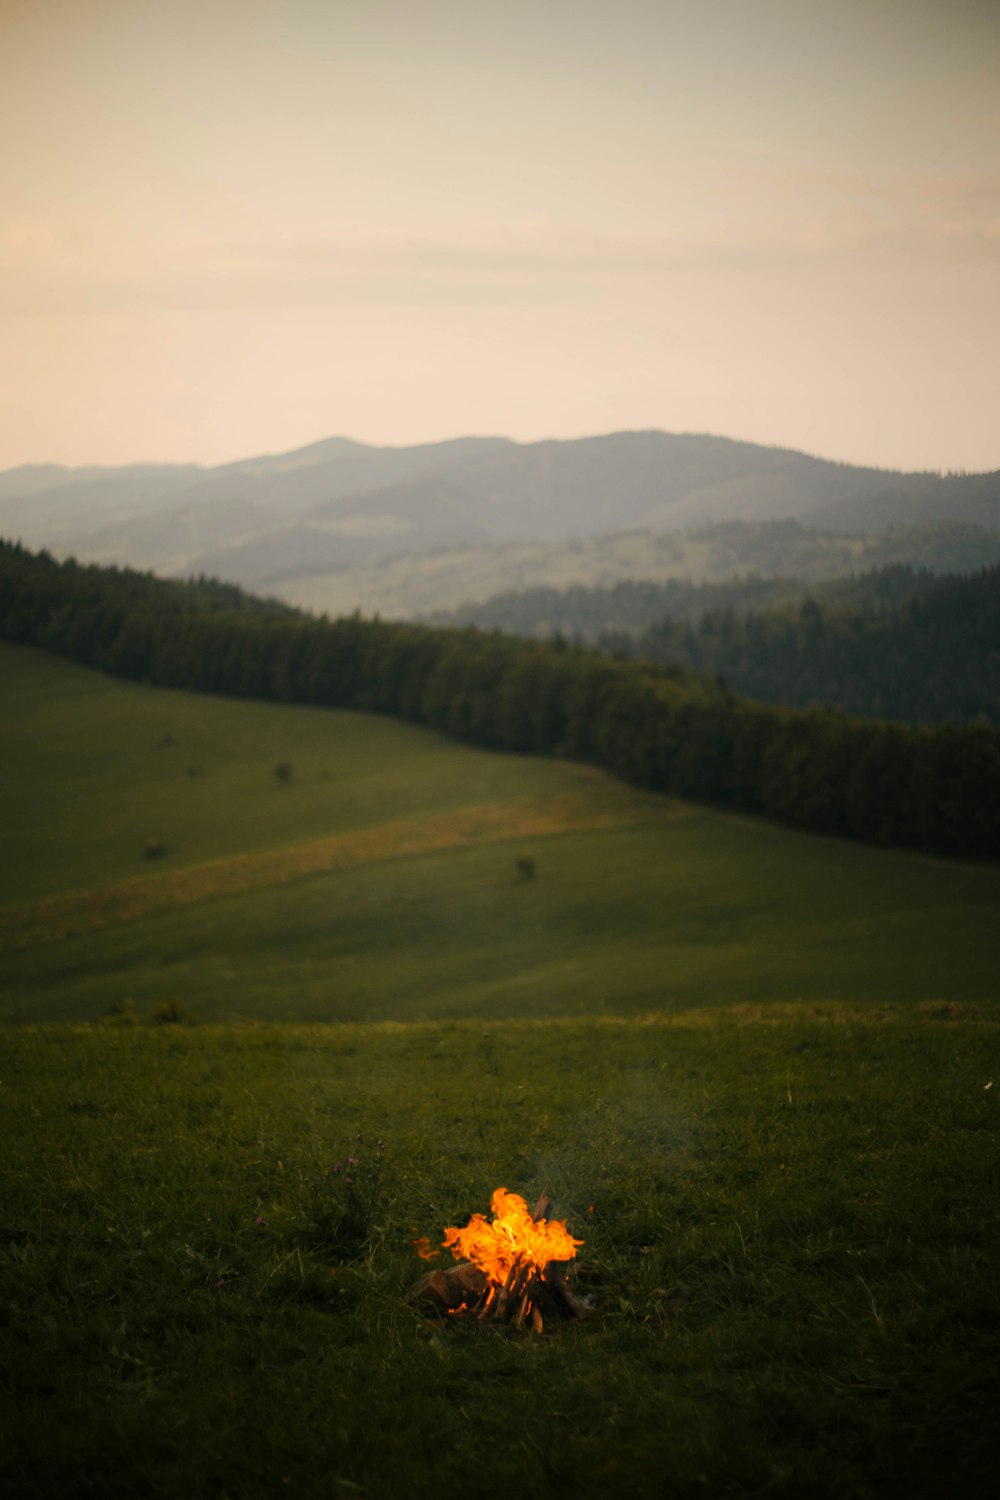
(785, 217)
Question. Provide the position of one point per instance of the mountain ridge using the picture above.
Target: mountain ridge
(338, 505)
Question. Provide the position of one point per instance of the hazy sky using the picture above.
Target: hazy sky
(231, 226)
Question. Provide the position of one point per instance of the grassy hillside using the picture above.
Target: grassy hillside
(93, 767)
(789, 1223)
(755, 1069)
(380, 881)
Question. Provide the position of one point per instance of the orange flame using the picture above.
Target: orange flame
(513, 1240)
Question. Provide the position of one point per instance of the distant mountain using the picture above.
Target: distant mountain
(294, 484)
(973, 499)
(144, 515)
(64, 505)
(164, 541)
(462, 585)
(337, 508)
(418, 516)
(31, 479)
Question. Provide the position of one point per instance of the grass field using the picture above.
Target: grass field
(756, 1070)
(790, 1220)
(380, 882)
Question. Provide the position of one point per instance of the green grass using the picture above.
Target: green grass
(664, 908)
(751, 1065)
(86, 778)
(822, 1185)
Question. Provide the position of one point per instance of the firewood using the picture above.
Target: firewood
(520, 1283)
(526, 1293)
(555, 1273)
(543, 1208)
(500, 1305)
(513, 1291)
(447, 1291)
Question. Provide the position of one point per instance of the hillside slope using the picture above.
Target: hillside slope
(465, 581)
(380, 880)
(656, 727)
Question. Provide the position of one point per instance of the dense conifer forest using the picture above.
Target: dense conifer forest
(633, 605)
(894, 642)
(656, 726)
(928, 656)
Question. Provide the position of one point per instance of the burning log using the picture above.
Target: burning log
(451, 1291)
(515, 1271)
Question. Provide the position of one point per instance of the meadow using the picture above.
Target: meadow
(789, 1220)
(380, 881)
(755, 1069)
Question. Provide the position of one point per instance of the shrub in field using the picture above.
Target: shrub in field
(154, 849)
(340, 1221)
(283, 772)
(170, 1013)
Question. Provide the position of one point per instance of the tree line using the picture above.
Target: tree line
(634, 605)
(932, 656)
(895, 642)
(659, 727)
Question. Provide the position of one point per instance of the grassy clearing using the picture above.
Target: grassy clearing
(699, 911)
(387, 888)
(64, 916)
(91, 768)
(193, 1303)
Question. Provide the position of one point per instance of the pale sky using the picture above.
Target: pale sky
(230, 227)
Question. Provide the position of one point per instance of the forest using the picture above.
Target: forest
(895, 642)
(660, 727)
(932, 656)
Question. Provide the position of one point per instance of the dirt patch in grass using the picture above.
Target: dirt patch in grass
(80, 912)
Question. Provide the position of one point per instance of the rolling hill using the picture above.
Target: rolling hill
(338, 508)
(755, 1067)
(380, 880)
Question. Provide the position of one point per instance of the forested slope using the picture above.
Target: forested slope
(932, 657)
(633, 605)
(657, 727)
(895, 642)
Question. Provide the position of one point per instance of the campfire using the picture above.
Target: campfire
(511, 1270)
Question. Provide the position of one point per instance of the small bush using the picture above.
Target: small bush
(170, 1013)
(283, 772)
(154, 849)
(525, 867)
(339, 1224)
